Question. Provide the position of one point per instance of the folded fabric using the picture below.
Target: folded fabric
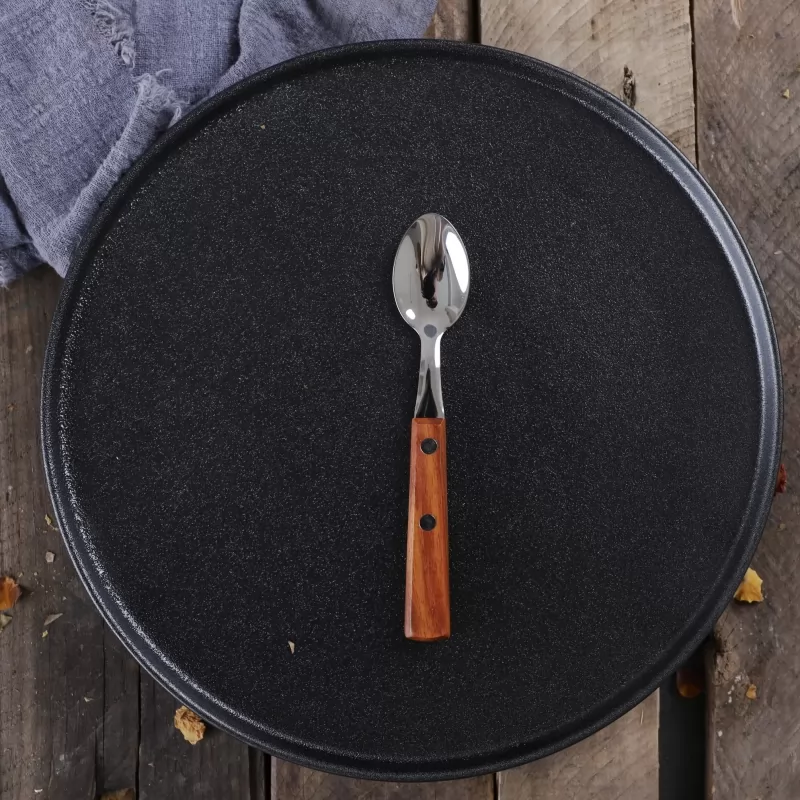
(86, 86)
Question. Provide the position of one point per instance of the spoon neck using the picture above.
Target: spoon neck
(429, 389)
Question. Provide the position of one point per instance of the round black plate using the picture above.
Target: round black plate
(229, 387)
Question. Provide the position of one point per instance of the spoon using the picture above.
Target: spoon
(431, 283)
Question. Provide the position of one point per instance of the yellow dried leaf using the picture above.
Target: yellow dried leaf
(749, 590)
(752, 692)
(9, 593)
(190, 725)
(48, 519)
(44, 634)
(4, 621)
(786, 94)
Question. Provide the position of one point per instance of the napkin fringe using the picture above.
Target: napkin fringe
(117, 26)
(157, 96)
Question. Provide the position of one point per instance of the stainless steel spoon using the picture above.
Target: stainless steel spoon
(431, 284)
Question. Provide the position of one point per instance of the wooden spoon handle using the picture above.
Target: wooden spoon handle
(427, 564)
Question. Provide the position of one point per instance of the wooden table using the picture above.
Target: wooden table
(78, 718)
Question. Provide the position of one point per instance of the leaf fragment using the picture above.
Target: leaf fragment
(9, 593)
(51, 618)
(749, 590)
(752, 692)
(780, 483)
(190, 725)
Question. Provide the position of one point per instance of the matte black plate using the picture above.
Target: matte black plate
(229, 386)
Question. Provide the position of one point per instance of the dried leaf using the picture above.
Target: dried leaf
(48, 519)
(9, 593)
(786, 94)
(49, 557)
(690, 682)
(749, 590)
(780, 483)
(4, 621)
(50, 618)
(120, 794)
(752, 692)
(291, 647)
(628, 87)
(190, 725)
(44, 634)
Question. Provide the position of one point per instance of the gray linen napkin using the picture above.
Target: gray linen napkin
(86, 86)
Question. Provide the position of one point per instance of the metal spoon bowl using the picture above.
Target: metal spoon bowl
(431, 285)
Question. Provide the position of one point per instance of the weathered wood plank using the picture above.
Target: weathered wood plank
(118, 746)
(218, 766)
(290, 782)
(619, 762)
(598, 39)
(640, 51)
(48, 732)
(749, 149)
(454, 19)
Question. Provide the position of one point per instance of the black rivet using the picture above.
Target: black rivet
(429, 446)
(427, 522)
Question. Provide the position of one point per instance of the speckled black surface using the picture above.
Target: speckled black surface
(229, 389)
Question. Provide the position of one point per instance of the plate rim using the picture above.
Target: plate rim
(756, 512)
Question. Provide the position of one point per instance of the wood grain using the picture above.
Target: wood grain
(427, 555)
(598, 39)
(641, 52)
(48, 731)
(619, 762)
(454, 19)
(217, 767)
(290, 782)
(749, 150)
